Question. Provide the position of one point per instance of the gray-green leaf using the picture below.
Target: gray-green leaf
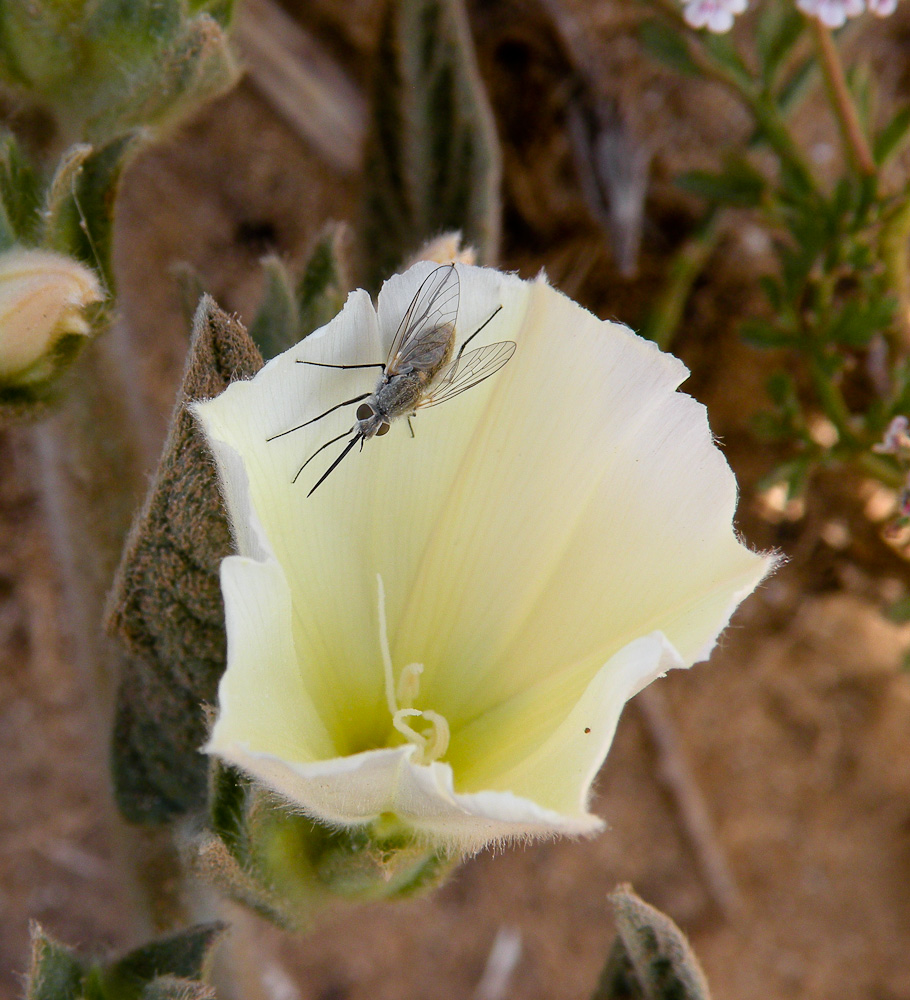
(166, 605)
(432, 158)
(651, 959)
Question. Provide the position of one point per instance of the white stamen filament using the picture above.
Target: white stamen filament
(434, 741)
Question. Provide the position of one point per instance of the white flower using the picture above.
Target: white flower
(448, 628)
(42, 298)
(882, 8)
(715, 15)
(832, 13)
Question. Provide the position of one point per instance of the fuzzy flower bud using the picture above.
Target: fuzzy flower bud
(42, 298)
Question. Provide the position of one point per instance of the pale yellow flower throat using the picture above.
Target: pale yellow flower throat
(433, 742)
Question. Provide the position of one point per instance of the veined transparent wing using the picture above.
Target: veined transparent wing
(467, 371)
(429, 321)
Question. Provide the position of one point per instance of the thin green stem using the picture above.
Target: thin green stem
(687, 264)
(763, 108)
(894, 245)
(855, 143)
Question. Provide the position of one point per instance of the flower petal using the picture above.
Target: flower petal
(262, 698)
(504, 749)
(358, 789)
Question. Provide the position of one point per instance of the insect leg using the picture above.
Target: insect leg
(474, 334)
(331, 409)
(410, 425)
(320, 364)
(335, 464)
(321, 448)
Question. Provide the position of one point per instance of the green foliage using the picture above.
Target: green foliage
(104, 68)
(166, 605)
(893, 137)
(79, 209)
(666, 43)
(20, 195)
(778, 30)
(287, 313)
(287, 867)
(739, 184)
(838, 294)
(651, 959)
(276, 324)
(170, 968)
(432, 161)
(183, 956)
(54, 971)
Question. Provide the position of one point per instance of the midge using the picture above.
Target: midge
(419, 370)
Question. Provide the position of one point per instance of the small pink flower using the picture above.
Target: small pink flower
(715, 15)
(882, 8)
(832, 13)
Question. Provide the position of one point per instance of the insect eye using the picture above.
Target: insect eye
(383, 429)
(364, 411)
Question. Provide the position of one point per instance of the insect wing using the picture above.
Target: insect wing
(469, 370)
(429, 323)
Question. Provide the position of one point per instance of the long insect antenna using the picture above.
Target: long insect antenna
(307, 423)
(322, 364)
(357, 437)
(318, 450)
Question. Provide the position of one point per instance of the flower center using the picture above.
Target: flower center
(432, 738)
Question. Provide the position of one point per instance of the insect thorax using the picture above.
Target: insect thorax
(401, 394)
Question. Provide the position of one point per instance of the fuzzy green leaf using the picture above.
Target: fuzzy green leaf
(54, 972)
(325, 283)
(166, 605)
(79, 213)
(276, 325)
(193, 66)
(183, 955)
(657, 953)
(107, 67)
(432, 160)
